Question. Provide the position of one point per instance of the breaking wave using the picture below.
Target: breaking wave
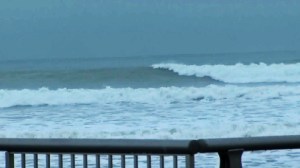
(163, 95)
(239, 73)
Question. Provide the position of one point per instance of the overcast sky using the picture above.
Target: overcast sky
(106, 28)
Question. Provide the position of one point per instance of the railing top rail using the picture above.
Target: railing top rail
(117, 146)
(142, 146)
(250, 143)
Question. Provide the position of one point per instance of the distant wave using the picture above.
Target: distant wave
(238, 73)
(99, 78)
(163, 95)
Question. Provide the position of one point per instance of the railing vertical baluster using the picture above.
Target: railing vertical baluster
(10, 160)
(189, 161)
(60, 161)
(97, 161)
(85, 162)
(72, 160)
(148, 161)
(23, 160)
(175, 161)
(123, 161)
(47, 160)
(110, 161)
(231, 158)
(35, 160)
(136, 161)
(162, 161)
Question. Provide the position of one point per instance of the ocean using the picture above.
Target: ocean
(190, 96)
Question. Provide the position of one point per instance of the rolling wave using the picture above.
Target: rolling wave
(239, 73)
(152, 96)
(137, 77)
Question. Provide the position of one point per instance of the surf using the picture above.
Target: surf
(238, 73)
(151, 96)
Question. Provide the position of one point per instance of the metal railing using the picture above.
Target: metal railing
(109, 147)
(230, 150)
(122, 152)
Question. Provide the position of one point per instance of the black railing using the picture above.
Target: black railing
(165, 153)
(110, 148)
(230, 150)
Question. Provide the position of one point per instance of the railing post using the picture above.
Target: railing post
(23, 160)
(60, 160)
(231, 158)
(35, 160)
(48, 160)
(9, 160)
(190, 161)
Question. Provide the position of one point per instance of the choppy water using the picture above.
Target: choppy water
(179, 97)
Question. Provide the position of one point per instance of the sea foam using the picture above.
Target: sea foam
(239, 73)
(163, 95)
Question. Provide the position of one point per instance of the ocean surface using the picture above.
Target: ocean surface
(156, 97)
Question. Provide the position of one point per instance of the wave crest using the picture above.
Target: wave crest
(239, 73)
(163, 96)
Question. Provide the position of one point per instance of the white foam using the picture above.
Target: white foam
(238, 73)
(212, 129)
(157, 113)
(163, 95)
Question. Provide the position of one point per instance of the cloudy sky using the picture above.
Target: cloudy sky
(117, 28)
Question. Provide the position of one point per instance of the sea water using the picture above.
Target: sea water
(156, 97)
